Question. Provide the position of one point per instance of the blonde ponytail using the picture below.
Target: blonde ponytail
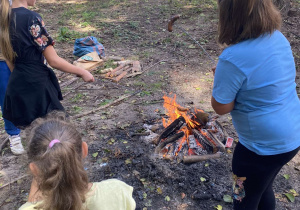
(5, 44)
(62, 179)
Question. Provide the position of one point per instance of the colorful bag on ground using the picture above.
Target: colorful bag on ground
(87, 45)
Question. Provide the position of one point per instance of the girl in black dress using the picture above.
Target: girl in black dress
(33, 88)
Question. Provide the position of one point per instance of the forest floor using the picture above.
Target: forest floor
(172, 64)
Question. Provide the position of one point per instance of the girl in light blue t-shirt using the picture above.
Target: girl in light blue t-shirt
(255, 82)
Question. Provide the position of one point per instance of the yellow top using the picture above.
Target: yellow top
(110, 194)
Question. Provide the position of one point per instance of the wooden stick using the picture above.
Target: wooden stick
(174, 126)
(4, 143)
(22, 177)
(140, 134)
(77, 86)
(69, 82)
(125, 62)
(117, 79)
(117, 73)
(136, 67)
(105, 106)
(199, 158)
(153, 65)
(114, 70)
(134, 74)
(167, 141)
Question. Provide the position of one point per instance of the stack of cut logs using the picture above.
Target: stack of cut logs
(126, 68)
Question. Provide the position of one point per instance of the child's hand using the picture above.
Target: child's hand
(87, 76)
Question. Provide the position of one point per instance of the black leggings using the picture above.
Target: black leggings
(254, 178)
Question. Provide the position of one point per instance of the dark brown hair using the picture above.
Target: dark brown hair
(61, 177)
(5, 44)
(245, 19)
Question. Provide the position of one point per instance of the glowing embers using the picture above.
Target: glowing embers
(189, 135)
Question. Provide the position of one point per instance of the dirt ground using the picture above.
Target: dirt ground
(172, 64)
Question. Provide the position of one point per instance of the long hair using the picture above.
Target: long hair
(5, 44)
(241, 20)
(61, 177)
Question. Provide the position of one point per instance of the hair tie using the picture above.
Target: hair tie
(54, 141)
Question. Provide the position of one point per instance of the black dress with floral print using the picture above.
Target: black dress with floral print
(33, 89)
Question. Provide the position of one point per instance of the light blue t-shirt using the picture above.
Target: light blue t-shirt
(259, 74)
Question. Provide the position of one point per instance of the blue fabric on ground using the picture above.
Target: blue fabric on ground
(87, 45)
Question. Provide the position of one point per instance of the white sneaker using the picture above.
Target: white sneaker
(16, 145)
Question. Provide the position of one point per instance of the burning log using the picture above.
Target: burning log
(173, 127)
(199, 158)
(208, 145)
(220, 145)
(195, 147)
(202, 118)
(173, 138)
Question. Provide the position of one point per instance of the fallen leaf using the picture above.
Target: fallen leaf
(95, 154)
(227, 199)
(148, 203)
(206, 164)
(128, 161)
(144, 195)
(182, 195)
(136, 173)
(159, 190)
(286, 176)
(294, 192)
(111, 141)
(290, 196)
(202, 179)
(167, 198)
(219, 207)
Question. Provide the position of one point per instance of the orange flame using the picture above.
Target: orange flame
(173, 111)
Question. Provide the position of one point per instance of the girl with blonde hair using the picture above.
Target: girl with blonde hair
(56, 153)
(33, 89)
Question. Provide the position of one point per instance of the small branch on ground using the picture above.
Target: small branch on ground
(74, 88)
(69, 82)
(105, 106)
(2, 145)
(15, 180)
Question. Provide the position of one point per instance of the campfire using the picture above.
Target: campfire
(189, 135)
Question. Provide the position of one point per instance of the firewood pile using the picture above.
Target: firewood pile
(126, 68)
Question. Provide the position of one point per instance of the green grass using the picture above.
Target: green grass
(88, 16)
(76, 109)
(77, 98)
(67, 35)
